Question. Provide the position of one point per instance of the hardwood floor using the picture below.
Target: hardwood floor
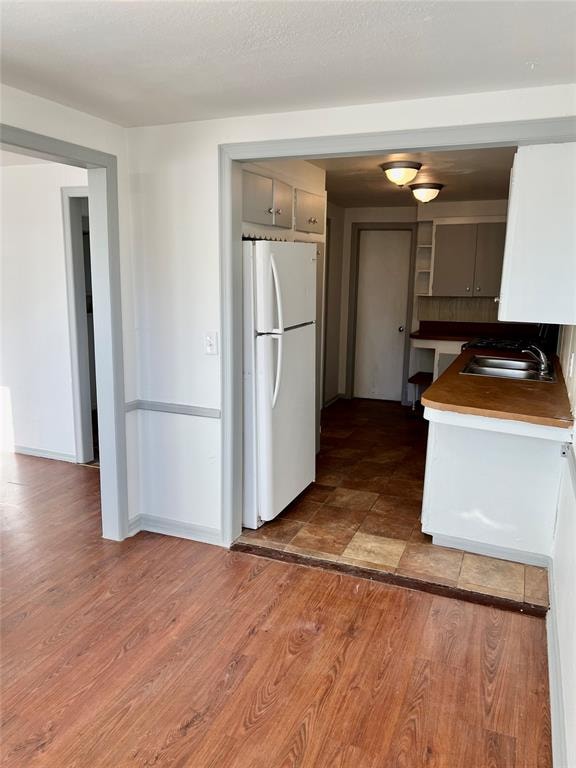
(163, 652)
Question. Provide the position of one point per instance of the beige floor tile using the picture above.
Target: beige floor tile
(352, 499)
(281, 531)
(418, 537)
(375, 549)
(424, 561)
(398, 506)
(301, 510)
(536, 585)
(376, 524)
(327, 514)
(332, 538)
(489, 572)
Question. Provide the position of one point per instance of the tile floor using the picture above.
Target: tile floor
(364, 510)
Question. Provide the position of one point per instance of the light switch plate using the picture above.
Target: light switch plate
(211, 343)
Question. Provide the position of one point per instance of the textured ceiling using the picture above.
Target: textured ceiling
(479, 174)
(144, 63)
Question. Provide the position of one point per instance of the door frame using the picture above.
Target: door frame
(78, 331)
(357, 229)
(473, 136)
(108, 344)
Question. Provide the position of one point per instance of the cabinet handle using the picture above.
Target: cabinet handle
(270, 210)
(467, 287)
(279, 211)
(497, 299)
(477, 287)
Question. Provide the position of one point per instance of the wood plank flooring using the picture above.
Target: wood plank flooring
(163, 652)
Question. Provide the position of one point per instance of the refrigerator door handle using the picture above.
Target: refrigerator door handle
(280, 338)
(278, 294)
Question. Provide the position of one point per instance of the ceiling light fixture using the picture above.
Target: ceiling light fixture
(401, 172)
(426, 191)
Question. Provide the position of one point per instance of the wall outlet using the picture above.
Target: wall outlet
(211, 343)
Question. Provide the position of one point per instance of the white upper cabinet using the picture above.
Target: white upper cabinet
(266, 201)
(539, 274)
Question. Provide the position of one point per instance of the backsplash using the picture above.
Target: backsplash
(465, 309)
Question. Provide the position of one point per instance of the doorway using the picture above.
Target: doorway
(105, 268)
(381, 307)
(76, 216)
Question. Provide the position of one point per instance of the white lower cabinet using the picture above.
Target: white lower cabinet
(492, 485)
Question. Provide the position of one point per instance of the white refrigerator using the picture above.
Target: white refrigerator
(279, 376)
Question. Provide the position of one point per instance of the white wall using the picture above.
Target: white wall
(169, 217)
(35, 339)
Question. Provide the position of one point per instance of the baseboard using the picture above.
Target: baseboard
(332, 400)
(168, 527)
(491, 550)
(557, 712)
(43, 453)
(134, 525)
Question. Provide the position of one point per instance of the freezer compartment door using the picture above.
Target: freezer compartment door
(285, 282)
(285, 418)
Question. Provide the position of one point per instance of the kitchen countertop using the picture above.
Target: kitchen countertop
(535, 402)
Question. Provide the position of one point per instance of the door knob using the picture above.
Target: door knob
(400, 329)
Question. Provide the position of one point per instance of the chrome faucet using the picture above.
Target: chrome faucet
(539, 355)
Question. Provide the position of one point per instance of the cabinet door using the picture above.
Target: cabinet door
(283, 195)
(539, 275)
(489, 258)
(454, 256)
(309, 212)
(257, 199)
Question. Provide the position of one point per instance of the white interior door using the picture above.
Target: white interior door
(383, 272)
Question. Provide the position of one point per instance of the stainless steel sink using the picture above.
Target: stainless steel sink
(501, 362)
(506, 368)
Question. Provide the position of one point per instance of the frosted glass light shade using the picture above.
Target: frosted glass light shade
(401, 172)
(424, 193)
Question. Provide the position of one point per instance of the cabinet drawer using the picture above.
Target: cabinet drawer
(309, 212)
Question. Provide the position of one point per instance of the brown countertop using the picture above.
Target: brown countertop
(535, 402)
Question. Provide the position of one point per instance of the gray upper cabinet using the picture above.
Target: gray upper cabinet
(283, 195)
(257, 199)
(454, 257)
(266, 201)
(310, 212)
(489, 258)
(468, 259)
